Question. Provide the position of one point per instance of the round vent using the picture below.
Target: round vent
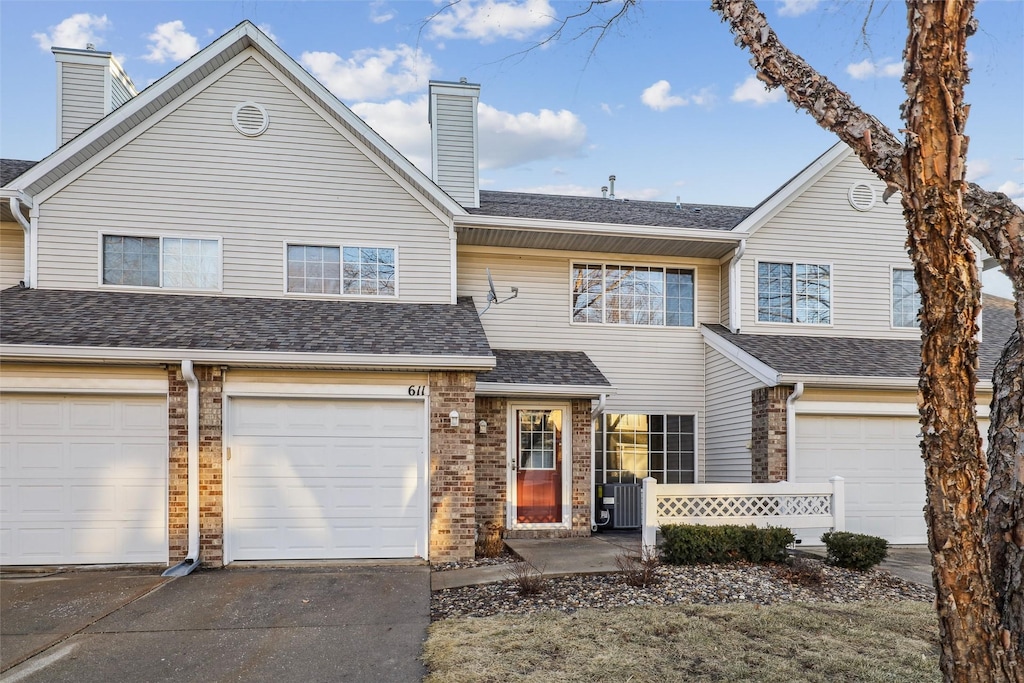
(862, 197)
(250, 119)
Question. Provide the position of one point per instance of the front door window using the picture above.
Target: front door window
(538, 467)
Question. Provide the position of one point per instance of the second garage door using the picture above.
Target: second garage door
(326, 479)
(881, 461)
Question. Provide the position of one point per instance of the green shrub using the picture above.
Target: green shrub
(699, 544)
(854, 551)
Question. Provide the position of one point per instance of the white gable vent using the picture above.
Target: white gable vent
(250, 119)
(862, 196)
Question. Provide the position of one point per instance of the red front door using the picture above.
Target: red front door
(538, 466)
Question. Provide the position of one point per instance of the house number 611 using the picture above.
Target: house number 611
(419, 390)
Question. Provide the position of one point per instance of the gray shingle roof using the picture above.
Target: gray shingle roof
(858, 357)
(544, 368)
(598, 210)
(155, 321)
(12, 168)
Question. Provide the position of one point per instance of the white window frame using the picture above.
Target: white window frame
(341, 246)
(161, 236)
(892, 299)
(794, 263)
(511, 451)
(573, 262)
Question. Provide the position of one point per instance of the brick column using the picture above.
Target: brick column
(452, 451)
(491, 463)
(581, 464)
(211, 479)
(768, 434)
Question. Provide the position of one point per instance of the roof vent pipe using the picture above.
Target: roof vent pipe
(611, 187)
(90, 46)
(604, 192)
(678, 205)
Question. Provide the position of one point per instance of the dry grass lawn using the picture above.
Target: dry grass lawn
(881, 641)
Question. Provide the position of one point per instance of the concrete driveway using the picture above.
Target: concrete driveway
(254, 624)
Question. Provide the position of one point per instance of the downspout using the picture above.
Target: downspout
(594, 415)
(734, 287)
(16, 203)
(798, 391)
(191, 561)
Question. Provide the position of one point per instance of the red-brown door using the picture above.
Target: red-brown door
(538, 466)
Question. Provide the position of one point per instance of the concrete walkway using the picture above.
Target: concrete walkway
(597, 554)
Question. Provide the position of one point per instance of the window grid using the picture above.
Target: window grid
(813, 294)
(632, 295)
(170, 262)
(906, 299)
(358, 271)
(794, 292)
(775, 292)
(633, 446)
(538, 436)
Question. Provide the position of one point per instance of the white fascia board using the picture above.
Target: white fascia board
(760, 370)
(604, 229)
(548, 390)
(860, 382)
(793, 188)
(97, 354)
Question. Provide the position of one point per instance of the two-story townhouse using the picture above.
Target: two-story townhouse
(250, 329)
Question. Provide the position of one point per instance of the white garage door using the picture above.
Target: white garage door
(83, 479)
(326, 479)
(881, 461)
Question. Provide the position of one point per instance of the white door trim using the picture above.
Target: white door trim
(511, 453)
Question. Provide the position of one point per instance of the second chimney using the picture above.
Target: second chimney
(454, 151)
(90, 85)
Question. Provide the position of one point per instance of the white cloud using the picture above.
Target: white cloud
(266, 29)
(659, 97)
(508, 140)
(794, 8)
(371, 74)
(76, 31)
(754, 91)
(977, 169)
(170, 41)
(886, 68)
(379, 14)
(403, 124)
(1013, 190)
(489, 20)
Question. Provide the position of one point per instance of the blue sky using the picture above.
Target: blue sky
(665, 101)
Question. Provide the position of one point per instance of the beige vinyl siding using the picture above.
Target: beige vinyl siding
(12, 254)
(821, 227)
(723, 286)
(286, 378)
(120, 91)
(728, 419)
(193, 174)
(72, 378)
(456, 161)
(656, 370)
(82, 101)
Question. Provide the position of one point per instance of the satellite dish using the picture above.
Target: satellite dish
(492, 295)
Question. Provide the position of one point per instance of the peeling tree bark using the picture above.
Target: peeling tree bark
(978, 567)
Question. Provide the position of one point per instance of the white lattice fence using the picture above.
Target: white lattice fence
(783, 504)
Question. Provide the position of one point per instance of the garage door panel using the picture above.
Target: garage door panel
(85, 479)
(326, 478)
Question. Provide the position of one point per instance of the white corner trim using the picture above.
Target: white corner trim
(760, 370)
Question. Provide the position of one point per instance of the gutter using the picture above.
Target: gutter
(16, 203)
(798, 391)
(191, 561)
(734, 287)
(595, 414)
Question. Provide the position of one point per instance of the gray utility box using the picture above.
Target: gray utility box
(621, 502)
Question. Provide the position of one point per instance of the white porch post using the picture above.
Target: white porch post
(838, 503)
(650, 517)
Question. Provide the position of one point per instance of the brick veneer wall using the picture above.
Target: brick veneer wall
(491, 461)
(768, 434)
(452, 449)
(211, 476)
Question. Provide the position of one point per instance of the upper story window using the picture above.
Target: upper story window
(169, 262)
(906, 300)
(357, 271)
(632, 295)
(794, 293)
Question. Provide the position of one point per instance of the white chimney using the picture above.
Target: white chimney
(90, 85)
(454, 148)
